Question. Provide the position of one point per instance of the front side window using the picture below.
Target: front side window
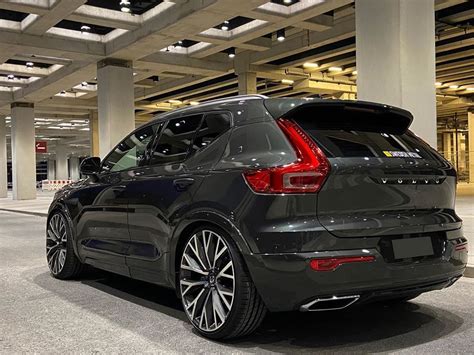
(175, 140)
(131, 152)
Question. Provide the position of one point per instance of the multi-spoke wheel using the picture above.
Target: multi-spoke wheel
(215, 287)
(62, 261)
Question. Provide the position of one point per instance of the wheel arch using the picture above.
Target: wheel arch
(61, 207)
(192, 222)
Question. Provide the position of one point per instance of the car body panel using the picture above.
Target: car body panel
(140, 215)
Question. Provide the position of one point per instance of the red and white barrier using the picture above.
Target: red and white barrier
(53, 185)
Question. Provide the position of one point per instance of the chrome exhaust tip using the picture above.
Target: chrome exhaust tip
(329, 304)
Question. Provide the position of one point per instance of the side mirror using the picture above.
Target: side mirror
(90, 166)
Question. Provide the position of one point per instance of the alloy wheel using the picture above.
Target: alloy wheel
(56, 243)
(207, 280)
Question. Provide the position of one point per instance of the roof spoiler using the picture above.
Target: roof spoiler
(344, 115)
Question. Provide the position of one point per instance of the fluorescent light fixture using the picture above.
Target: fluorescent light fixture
(10, 76)
(335, 69)
(281, 35)
(29, 65)
(454, 86)
(175, 102)
(85, 28)
(179, 44)
(194, 103)
(470, 89)
(84, 83)
(225, 26)
(354, 72)
(231, 52)
(125, 6)
(438, 84)
(287, 1)
(287, 81)
(310, 65)
(62, 93)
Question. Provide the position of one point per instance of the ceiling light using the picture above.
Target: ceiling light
(29, 65)
(335, 69)
(175, 102)
(287, 1)
(453, 86)
(155, 78)
(309, 65)
(470, 89)
(11, 76)
(438, 84)
(179, 44)
(281, 35)
(125, 6)
(84, 83)
(194, 103)
(287, 81)
(231, 52)
(354, 72)
(225, 26)
(85, 28)
(62, 93)
(135, 74)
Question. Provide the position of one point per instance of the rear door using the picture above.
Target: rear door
(383, 179)
(185, 151)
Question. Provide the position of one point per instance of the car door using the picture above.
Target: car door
(103, 238)
(164, 190)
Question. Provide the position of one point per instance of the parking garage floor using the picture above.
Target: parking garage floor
(104, 313)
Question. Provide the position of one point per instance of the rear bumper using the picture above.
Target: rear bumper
(286, 282)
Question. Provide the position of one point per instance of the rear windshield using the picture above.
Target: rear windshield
(359, 143)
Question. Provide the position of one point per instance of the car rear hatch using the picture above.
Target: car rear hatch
(383, 180)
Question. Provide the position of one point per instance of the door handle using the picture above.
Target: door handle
(183, 184)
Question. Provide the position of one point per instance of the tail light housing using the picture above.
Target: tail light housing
(306, 174)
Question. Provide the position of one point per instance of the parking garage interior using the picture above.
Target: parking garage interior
(77, 76)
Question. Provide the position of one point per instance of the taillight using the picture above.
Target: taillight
(306, 174)
(331, 264)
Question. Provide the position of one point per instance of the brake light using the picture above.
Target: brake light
(306, 174)
(331, 264)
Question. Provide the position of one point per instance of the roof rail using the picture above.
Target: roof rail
(235, 98)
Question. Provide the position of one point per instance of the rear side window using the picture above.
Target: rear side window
(213, 125)
(175, 140)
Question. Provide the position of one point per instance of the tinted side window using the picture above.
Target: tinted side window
(213, 125)
(131, 152)
(174, 141)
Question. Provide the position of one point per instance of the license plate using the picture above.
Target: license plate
(412, 247)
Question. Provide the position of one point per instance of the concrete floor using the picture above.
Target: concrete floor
(112, 314)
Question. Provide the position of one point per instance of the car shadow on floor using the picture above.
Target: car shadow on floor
(369, 328)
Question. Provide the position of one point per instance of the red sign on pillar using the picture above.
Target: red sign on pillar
(41, 147)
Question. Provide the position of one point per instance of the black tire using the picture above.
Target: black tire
(71, 266)
(247, 310)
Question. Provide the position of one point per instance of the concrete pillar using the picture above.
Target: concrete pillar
(74, 168)
(23, 151)
(3, 158)
(62, 172)
(447, 145)
(395, 45)
(470, 137)
(51, 169)
(94, 133)
(115, 101)
(247, 83)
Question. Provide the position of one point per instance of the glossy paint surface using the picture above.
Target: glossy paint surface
(133, 222)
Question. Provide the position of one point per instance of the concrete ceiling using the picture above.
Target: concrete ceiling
(179, 50)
